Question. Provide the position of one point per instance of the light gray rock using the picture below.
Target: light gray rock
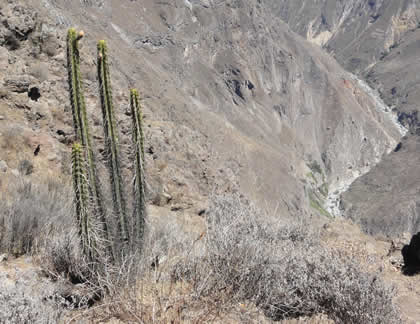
(4, 257)
(3, 166)
(18, 84)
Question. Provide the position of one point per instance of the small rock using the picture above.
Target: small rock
(1, 117)
(52, 157)
(396, 262)
(177, 208)
(15, 173)
(167, 196)
(4, 257)
(3, 166)
(18, 84)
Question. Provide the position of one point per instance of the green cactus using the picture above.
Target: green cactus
(139, 202)
(85, 182)
(72, 62)
(81, 199)
(136, 108)
(81, 126)
(111, 141)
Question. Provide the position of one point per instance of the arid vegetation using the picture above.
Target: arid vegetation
(244, 265)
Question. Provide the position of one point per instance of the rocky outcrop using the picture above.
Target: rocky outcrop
(411, 254)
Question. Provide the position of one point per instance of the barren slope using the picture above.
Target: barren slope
(378, 40)
(233, 98)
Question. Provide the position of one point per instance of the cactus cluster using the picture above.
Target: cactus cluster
(88, 195)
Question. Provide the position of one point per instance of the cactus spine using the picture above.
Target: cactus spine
(111, 141)
(81, 198)
(80, 121)
(85, 182)
(72, 62)
(139, 204)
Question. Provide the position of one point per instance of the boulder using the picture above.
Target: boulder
(411, 254)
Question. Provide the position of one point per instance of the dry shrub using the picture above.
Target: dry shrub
(245, 265)
(61, 256)
(16, 307)
(12, 137)
(283, 270)
(30, 212)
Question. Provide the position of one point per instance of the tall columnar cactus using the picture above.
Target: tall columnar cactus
(111, 141)
(139, 202)
(86, 184)
(81, 126)
(81, 199)
(73, 79)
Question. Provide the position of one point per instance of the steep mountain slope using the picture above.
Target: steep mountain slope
(357, 32)
(233, 98)
(234, 101)
(378, 40)
(375, 39)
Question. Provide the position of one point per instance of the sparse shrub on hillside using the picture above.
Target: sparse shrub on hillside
(247, 264)
(61, 255)
(29, 212)
(283, 269)
(18, 308)
(11, 137)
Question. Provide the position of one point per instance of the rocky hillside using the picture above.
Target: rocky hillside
(234, 100)
(379, 41)
(288, 102)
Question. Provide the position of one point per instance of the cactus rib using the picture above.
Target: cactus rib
(139, 203)
(111, 141)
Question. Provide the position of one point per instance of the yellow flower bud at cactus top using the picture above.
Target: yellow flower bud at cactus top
(80, 35)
